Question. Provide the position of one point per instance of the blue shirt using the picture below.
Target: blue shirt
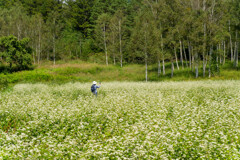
(95, 88)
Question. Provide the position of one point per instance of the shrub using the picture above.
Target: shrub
(16, 52)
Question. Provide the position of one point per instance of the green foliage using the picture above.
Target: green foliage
(78, 15)
(75, 29)
(44, 7)
(16, 52)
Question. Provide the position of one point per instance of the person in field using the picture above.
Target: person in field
(94, 88)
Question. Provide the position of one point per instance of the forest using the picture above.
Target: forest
(196, 34)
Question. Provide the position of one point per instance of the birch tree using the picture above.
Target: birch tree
(55, 26)
(102, 33)
(117, 30)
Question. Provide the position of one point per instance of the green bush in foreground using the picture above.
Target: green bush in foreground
(168, 120)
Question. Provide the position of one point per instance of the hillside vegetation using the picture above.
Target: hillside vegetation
(204, 32)
(79, 71)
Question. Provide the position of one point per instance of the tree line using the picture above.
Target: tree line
(196, 34)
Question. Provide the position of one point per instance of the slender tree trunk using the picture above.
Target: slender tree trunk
(185, 55)
(231, 45)
(193, 59)
(19, 30)
(237, 56)
(224, 52)
(204, 49)
(146, 70)
(105, 44)
(113, 48)
(159, 68)
(172, 69)
(33, 54)
(190, 57)
(210, 60)
(80, 43)
(120, 42)
(162, 55)
(33, 58)
(114, 56)
(36, 48)
(163, 67)
(39, 41)
(175, 52)
(54, 50)
(236, 51)
(220, 56)
(181, 53)
(196, 65)
(146, 64)
(196, 70)
(217, 59)
(204, 66)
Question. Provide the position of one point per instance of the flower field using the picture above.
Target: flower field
(128, 120)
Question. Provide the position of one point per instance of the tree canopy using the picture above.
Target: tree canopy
(127, 31)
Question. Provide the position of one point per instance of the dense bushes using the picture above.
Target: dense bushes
(15, 52)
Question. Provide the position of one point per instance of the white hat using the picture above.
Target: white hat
(94, 82)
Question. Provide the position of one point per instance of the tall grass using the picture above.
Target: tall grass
(79, 71)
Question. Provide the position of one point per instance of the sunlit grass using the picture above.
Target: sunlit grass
(79, 71)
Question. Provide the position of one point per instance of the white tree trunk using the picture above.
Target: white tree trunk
(105, 44)
(220, 54)
(114, 56)
(145, 50)
(193, 59)
(146, 70)
(162, 55)
(19, 30)
(181, 53)
(209, 68)
(32, 53)
(204, 49)
(54, 50)
(217, 60)
(185, 55)
(172, 68)
(224, 52)
(196, 70)
(159, 68)
(120, 42)
(39, 41)
(236, 51)
(231, 45)
(204, 66)
(36, 47)
(190, 57)
(54, 45)
(175, 52)
(163, 66)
